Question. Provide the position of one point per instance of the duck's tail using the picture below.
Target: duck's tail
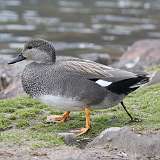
(128, 85)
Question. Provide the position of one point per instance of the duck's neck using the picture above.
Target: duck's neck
(52, 54)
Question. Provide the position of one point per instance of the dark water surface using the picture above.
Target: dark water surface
(78, 26)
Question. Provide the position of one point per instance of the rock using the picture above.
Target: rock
(4, 58)
(13, 90)
(105, 136)
(155, 78)
(10, 80)
(97, 57)
(141, 54)
(69, 138)
(132, 144)
(4, 81)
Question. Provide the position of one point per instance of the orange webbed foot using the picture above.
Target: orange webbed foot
(58, 118)
(82, 131)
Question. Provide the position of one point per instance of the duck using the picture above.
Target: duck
(73, 84)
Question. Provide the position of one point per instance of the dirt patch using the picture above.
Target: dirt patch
(112, 144)
(59, 153)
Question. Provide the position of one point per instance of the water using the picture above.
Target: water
(75, 27)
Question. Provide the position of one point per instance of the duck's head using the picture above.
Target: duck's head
(37, 50)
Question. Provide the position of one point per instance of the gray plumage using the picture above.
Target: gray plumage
(73, 82)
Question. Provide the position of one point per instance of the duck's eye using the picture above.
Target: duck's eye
(29, 47)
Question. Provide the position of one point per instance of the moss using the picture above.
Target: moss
(7, 110)
(33, 139)
(11, 136)
(45, 139)
(27, 113)
(22, 123)
(153, 68)
(28, 116)
(4, 122)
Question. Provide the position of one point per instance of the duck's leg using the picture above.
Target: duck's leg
(59, 118)
(132, 119)
(88, 123)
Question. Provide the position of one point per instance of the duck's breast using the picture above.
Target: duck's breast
(62, 103)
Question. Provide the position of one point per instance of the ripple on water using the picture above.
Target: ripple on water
(116, 18)
(8, 37)
(71, 27)
(10, 3)
(108, 4)
(127, 30)
(7, 51)
(64, 45)
(133, 12)
(47, 21)
(5, 37)
(18, 27)
(129, 4)
(109, 38)
(16, 45)
(98, 22)
(119, 4)
(69, 3)
(30, 13)
(7, 15)
(118, 31)
(75, 10)
(75, 30)
(31, 17)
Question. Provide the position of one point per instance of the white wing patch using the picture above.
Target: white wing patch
(103, 83)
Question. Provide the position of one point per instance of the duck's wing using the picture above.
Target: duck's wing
(67, 58)
(95, 71)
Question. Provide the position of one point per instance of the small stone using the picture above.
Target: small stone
(69, 138)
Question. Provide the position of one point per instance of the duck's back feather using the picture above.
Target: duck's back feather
(93, 70)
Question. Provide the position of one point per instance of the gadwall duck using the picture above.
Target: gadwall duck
(73, 84)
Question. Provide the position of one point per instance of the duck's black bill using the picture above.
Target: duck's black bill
(19, 58)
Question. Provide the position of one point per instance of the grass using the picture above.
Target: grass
(155, 68)
(22, 120)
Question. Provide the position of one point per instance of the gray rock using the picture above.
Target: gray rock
(105, 136)
(12, 80)
(69, 138)
(4, 58)
(141, 54)
(133, 144)
(155, 78)
(97, 57)
(5, 80)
